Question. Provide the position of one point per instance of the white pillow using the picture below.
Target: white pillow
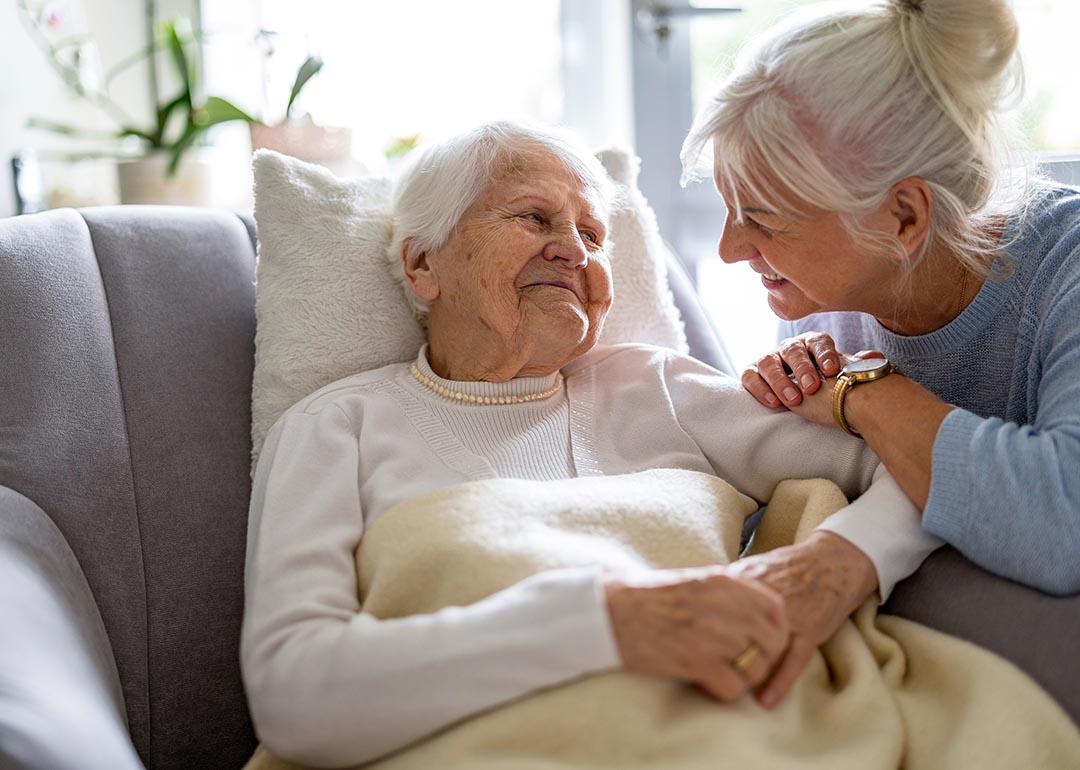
(327, 304)
(644, 309)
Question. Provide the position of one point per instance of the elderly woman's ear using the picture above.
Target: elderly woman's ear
(909, 206)
(418, 273)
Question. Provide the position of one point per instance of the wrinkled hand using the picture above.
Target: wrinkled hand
(796, 370)
(692, 625)
(822, 581)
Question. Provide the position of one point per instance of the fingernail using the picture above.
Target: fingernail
(828, 364)
(768, 700)
(807, 380)
(771, 400)
(790, 394)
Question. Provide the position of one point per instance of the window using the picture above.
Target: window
(392, 69)
(1051, 111)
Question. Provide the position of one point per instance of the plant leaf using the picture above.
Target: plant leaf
(401, 146)
(132, 59)
(141, 55)
(128, 131)
(69, 130)
(191, 133)
(71, 40)
(309, 69)
(218, 110)
(179, 56)
(163, 115)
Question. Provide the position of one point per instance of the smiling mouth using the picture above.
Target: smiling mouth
(771, 280)
(557, 285)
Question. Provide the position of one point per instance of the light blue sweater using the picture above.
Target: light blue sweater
(1005, 489)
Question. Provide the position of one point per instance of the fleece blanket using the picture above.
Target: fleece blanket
(881, 693)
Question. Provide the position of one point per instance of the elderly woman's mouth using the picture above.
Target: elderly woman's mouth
(557, 285)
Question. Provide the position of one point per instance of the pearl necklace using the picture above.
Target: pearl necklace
(470, 398)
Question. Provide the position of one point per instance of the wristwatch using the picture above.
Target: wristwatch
(856, 373)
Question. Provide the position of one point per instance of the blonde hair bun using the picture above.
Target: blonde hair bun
(964, 49)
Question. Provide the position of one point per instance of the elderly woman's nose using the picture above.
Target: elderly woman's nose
(568, 247)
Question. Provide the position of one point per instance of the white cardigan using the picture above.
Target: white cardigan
(328, 684)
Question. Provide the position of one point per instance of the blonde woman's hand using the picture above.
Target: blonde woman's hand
(796, 369)
(694, 624)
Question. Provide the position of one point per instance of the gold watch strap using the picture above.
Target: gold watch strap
(840, 388)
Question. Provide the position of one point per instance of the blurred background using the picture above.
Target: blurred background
(107, 101)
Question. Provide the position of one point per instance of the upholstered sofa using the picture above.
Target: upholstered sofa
(126, 356)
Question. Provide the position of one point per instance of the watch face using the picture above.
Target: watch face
(865, 365)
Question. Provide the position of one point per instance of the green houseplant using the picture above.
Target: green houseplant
(300, 136)
(154, 172)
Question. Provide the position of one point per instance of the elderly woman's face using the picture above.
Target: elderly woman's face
(523, 284)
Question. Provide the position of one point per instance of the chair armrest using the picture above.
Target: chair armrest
(1033, 630)
(61, 705)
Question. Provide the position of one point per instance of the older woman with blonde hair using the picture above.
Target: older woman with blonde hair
(868, 178)
(500, 238)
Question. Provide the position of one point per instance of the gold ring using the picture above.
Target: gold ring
(748, 656)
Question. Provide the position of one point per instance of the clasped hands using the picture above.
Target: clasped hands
(697, 624)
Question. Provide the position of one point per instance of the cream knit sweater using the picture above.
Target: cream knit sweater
(314, 664)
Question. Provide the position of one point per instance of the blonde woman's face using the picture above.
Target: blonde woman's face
(808, 264)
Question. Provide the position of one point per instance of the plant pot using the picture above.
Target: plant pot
(327, 146)
(144, 180)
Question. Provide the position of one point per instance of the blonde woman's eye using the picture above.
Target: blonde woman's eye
(590, 236)
(758, 226)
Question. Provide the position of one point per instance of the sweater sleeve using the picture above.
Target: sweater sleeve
(330, 685)
(1008, 495)
(754, 449)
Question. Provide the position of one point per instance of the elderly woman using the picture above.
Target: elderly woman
(500, 235)
(862, 166)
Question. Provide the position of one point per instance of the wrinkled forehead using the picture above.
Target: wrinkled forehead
(539, 171)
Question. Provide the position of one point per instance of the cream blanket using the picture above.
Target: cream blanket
(882, 693)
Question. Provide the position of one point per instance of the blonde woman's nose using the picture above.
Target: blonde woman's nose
(733, 247)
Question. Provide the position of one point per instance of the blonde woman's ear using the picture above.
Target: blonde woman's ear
(419, 276)
(911, 204)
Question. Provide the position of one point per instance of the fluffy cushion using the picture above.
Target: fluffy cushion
(327, 304)
(644, 310)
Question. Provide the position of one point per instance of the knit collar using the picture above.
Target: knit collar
(980, 312)
(519, 386)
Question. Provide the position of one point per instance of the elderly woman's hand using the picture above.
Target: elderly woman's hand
(695, 624)
(796, 369)
(822, 581)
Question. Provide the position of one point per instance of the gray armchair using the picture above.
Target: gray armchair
(126, 355)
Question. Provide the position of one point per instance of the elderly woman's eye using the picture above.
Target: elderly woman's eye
(589, 236)
(535, 218)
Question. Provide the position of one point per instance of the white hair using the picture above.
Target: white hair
(829, 112)
(443, 180)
